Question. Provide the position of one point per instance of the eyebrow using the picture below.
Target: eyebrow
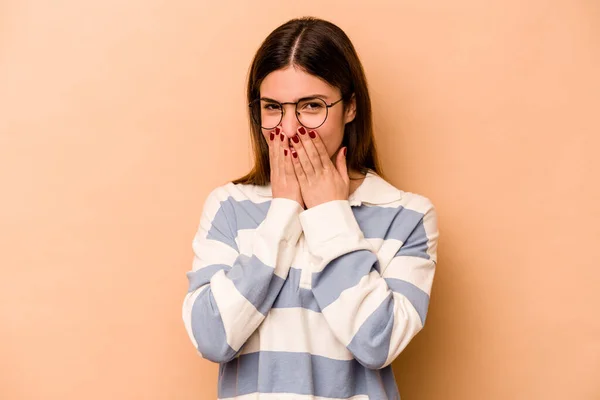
(322, 96)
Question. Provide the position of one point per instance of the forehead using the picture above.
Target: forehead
(291, 84)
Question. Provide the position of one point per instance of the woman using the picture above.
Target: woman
(311, 273)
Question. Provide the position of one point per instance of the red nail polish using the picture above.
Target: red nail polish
(277, 130)
(282, 137)
(302, 130)
(344, 151)
(312, 134)
(285, 152)
(295, 154)
(272, 136)
(296, 139)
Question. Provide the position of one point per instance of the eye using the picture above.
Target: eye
(312, 105)
(271, 106)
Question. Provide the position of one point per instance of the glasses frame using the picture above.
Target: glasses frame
(327, 107)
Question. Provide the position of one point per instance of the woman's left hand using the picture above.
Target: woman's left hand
(320, 180)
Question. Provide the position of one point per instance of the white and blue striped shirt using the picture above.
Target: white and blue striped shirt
(310, 304)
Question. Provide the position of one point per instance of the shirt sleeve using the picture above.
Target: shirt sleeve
(374, 305)
(230, 292)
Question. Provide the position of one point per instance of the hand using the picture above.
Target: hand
(283, 178)
(320, 180)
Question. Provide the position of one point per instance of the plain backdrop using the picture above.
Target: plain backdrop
(118, 117)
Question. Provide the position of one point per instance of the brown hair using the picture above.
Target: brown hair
(321, 49)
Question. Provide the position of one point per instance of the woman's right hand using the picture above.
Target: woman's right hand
(284, 182)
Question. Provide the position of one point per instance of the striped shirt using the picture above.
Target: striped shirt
(310, 304)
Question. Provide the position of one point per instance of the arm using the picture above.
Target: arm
(230, 292)
(374, 309)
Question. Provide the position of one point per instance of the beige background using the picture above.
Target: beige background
(117, 118)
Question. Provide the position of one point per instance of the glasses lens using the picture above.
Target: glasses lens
(266, 114)
(312, 112)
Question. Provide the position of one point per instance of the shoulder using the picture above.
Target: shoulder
(424, 218)
(416, 223)
(235, 203)
(412, 209)
(384, 193)
(417, 202)
(230, 191)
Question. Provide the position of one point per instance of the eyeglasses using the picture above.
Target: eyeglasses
(311, 112)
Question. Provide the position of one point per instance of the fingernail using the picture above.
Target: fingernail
(302, 130)
(312, 134)
(296, 139)
(344, 151)
(272, 136)
(295, 154)
(282, 137)
(277, 130)
(285, 152)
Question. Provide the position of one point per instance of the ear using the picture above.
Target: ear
(350, 112)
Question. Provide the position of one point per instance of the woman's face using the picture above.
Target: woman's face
(291, 84)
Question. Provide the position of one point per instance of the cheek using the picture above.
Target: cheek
(332, 135)
(266, 134)
(334, 126)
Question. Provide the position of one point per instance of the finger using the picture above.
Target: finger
(288, 163)
(311, 151)
(340, 163)
(270, 139)
(320, 148)
(284, 152)
(276, 144)
(303, 157)
(298, 170)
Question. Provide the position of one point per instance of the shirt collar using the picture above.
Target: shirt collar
(373, 190)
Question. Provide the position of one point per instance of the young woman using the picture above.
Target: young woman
(311, 273)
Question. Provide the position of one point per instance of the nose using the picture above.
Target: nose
(289, 122)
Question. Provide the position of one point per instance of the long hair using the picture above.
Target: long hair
(322, 49)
